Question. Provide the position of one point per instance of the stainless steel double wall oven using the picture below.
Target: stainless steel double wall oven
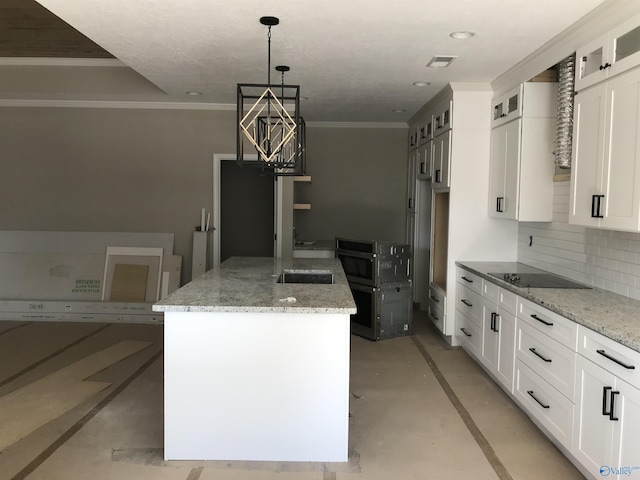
(379, 275)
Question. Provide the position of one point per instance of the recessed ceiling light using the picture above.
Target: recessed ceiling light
(441, 61)
(462, 35)
(194, 93)
(421, 84)
(398, 110)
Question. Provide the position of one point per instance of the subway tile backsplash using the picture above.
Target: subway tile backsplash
(603, 258)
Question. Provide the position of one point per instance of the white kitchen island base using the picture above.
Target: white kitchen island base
(256, 386)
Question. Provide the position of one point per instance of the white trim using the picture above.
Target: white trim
(357, 124)
(60, 62)
(6, 102)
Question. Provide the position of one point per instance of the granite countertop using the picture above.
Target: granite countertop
(614, 316)
(248, 284)
(314, 245)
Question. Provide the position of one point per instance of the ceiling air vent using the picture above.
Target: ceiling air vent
(441, 61)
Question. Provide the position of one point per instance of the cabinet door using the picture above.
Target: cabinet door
(624, 47)
(506, 326)
(411, 180)
(497, 177)
(593, 430)
(621, 171)
(590, 61)
(627, 410)
(588, 152)
(490, 336)
(505, 170)
(425, 159)
(441, 160)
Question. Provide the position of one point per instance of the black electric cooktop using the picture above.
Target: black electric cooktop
(537, 280)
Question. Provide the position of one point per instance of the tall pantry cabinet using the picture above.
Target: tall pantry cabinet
(458, 183)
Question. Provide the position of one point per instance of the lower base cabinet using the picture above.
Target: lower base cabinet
(607, 423)
(580, 387)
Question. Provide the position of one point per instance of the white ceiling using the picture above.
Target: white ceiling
(355, 60)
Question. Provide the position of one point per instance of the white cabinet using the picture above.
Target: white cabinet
(605, 177)
(498, 333)
(441, 160)
(443, 117)
(606, 421)
(608, 55)
(424, 158)
(522, 161)
(507, 107)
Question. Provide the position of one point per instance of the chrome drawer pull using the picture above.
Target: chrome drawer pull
(467, 280)
(533, 350)
(465, 332)
(536, 317)
(605, 355)
(530, 392)
(466, 303)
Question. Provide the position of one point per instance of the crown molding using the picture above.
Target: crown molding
(357, 124)
(116, 104)
(60, 62)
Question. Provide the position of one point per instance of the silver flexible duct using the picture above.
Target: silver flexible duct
(564, 128)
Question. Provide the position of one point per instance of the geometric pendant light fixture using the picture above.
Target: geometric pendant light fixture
(269, 122)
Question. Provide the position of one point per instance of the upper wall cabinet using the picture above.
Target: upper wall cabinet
(522, 161)
(425, 131)
(506, 107)
(443, 118)
(605, 174)
(609, 55)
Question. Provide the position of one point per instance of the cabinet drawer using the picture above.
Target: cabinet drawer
(469, 333)
(543, 402)
(623, 362)
(469, 280)
(548, 358)
(469, 302)
(550, 323)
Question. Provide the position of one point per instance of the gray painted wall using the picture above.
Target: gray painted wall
(358, 184)
(130, 170)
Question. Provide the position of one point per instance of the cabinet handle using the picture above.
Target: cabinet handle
(422, 168)
(435, 299)
(466, 279)
(533, 350)
(606, 355)
(499, 204)
(466, 303)
(605, 390)
(613, 403)
(495, 322)
(438, 176)
(435, 317)
(409, 203)
(606, 65)
(596, 203)
(530, 392)
(503, 115)
(465, 332)
(536, 317)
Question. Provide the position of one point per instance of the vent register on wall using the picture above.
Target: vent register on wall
(379, 278)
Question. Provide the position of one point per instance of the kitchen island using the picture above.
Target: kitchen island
(255, 369)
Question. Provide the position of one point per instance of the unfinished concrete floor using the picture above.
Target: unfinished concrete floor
(407, 422)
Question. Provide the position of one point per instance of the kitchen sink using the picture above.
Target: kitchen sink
(306, 276)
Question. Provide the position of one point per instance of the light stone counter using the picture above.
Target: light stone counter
(248, 284)
(607, 313)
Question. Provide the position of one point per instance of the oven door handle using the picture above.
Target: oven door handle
(351, 253)
(363, 288)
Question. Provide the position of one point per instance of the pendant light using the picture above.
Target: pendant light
(269, 122)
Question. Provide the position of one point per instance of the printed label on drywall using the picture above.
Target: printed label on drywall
(86, 286)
